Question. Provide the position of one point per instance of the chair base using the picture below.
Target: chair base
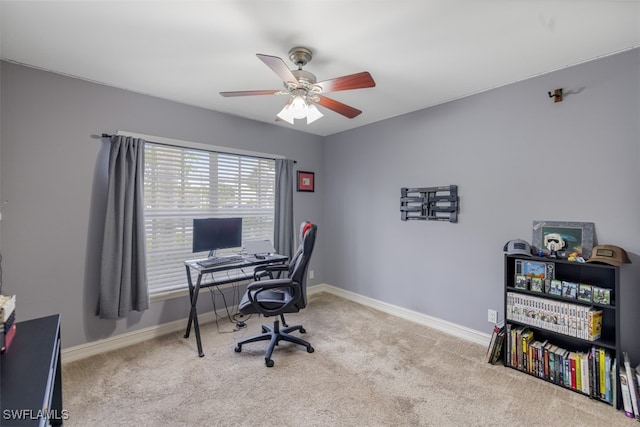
(274, 335)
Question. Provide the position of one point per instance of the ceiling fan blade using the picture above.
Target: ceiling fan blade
(279, 67)
(352, 81)
(338, 107)
(252, 92)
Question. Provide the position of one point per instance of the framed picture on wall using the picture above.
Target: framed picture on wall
(306, 181)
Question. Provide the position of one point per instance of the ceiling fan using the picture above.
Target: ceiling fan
(304, 91)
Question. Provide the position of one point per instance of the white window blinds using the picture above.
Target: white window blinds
(181, 184)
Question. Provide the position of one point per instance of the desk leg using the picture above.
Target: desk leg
(186, 334)
(193, 313)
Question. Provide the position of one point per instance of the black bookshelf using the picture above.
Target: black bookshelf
(540, 316)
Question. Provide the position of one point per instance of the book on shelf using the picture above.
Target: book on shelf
(626, 393)
(594, 324)
(601, 372)
(492, 343)
(614, 383)
(497, 352)
(527, 337)
(572, 364)
(516, 346)
(507, 345)
(545, 357)
(7, 321)
(632, 383)
(552, 363)
(636, 373)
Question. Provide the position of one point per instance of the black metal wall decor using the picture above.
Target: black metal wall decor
(429, 203)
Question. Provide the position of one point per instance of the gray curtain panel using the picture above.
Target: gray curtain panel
(123, 275)
(283, 227)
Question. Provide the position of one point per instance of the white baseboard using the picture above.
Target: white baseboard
(115, 342)
(420, 318)
(128, 338)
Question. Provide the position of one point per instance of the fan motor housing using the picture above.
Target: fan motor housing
(300, 56)
(304, 77)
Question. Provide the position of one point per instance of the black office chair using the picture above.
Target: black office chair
(274, 271)
(275, 297)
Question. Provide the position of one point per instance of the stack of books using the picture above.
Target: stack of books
(591, 372)
(8, 321)
(575, 320)
(494, 351)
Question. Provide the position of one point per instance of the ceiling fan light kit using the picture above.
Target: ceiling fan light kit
(304, 91)
(299, 108)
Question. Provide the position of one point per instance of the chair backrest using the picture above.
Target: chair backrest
(301, 263)
(304, 226)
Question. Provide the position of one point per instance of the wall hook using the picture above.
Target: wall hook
(557, 95)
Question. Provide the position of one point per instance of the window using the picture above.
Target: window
(181, 184)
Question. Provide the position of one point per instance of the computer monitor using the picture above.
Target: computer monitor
(210, 234)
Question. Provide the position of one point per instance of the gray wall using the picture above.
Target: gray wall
(516, 157)
(54, 179)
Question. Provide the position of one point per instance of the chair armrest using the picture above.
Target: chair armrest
(268, 270)
(255, 288)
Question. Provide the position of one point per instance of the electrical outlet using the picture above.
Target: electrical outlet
(311, 275)
(492, 316)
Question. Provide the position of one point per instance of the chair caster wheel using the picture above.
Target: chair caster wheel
(269, 363)
(238, 349)
(310, 349)
(303, 331)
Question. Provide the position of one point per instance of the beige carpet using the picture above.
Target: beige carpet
(368, 369)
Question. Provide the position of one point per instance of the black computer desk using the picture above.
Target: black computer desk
(194, 290)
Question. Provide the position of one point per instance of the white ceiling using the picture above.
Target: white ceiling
(421, 52)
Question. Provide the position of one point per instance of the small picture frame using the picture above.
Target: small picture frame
(601, 295)
(306, 181)
(521, 281)
(536, 284)
(584, 292)
(531, 268)
(569, 289)
(555, 287)
(543, 270)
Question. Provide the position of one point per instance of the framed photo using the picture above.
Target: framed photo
(584, 292)
(569, 289)
(601, 295)
(555, 287)
(521, 281)
(556, 236)
(536, 284)
(543, 270)
(306, 181)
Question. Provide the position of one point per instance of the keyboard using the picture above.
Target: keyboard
(213, 262)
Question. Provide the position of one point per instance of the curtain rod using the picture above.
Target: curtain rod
(106, 135)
